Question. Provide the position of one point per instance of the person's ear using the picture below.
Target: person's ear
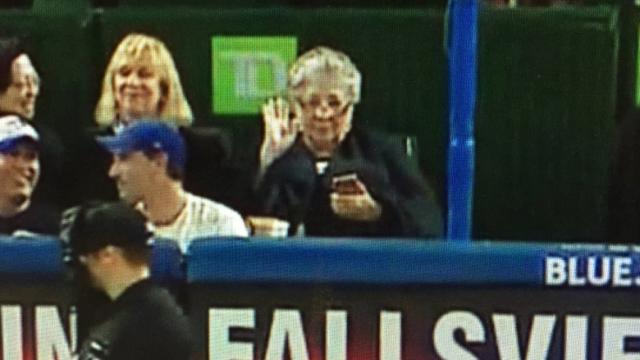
(107, 254)
(160, 160)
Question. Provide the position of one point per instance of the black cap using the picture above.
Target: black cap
(93, 226)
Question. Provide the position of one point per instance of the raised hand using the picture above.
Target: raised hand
(281, 126)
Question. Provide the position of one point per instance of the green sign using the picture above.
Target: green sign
(247, 70)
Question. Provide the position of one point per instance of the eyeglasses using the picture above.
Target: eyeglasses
(337, 106)
(33, 82)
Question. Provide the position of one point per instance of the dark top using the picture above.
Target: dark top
(293, 189)
(89, 169)
(143, 323)
(38, 218)
(623, 221)
(52, 155)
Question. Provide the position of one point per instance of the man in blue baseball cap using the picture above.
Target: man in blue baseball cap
(148, 167)
(19, 174)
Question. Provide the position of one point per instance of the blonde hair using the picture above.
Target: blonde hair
(325, 59)
(175, 108)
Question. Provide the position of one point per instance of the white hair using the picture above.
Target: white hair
(325, 59)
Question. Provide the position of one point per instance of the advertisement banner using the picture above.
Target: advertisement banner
(415, 323)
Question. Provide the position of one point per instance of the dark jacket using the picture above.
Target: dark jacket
(143, 323)
(291, 189)
(50, 188)
(38, 218)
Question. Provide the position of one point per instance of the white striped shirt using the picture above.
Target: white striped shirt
(202, 217)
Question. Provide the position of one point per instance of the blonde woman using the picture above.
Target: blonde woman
(141, 81)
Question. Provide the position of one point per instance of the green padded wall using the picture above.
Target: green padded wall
(545, 121)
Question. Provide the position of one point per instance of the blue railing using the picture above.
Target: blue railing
(349, 261)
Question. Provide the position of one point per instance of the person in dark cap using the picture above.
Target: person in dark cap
(19, 175)
(113, 242)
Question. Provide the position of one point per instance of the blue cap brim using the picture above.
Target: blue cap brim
(116, 144)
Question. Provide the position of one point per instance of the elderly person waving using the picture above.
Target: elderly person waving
(326, 176)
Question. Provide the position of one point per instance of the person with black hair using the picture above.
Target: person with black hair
(19, 80)
(19, 90)
(113, 242)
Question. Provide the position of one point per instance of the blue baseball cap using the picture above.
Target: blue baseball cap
(148, 135)
(14, 131)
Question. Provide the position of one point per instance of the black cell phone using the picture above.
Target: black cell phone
(346, 184)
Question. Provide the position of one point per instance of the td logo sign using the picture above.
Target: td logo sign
(247, 70)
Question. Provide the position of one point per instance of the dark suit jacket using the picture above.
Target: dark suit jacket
(292, 190)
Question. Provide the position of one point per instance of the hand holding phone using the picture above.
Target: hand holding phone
(350, 199)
